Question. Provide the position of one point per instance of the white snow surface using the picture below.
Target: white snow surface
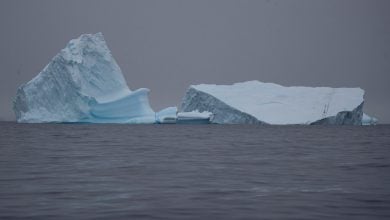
(275, 104)
(82, 83)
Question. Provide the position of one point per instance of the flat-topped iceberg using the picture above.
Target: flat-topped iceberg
(255, 102)
(82, 83)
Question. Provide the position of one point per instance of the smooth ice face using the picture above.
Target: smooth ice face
(82, 83)
(258, 102)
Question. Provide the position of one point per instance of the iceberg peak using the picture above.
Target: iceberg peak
(82, 83)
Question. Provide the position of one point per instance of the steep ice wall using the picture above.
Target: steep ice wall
(82, 83)
(255, 102)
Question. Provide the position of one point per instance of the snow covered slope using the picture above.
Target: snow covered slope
(255, 102)
(82, 83)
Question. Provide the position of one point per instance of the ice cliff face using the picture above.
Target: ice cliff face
(255, 102)
(82, 83)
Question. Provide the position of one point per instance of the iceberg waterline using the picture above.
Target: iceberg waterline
(83, 83)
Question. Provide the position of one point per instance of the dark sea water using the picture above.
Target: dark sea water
(68, 171)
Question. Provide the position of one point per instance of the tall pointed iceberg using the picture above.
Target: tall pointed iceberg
(82, 83)
(255, 102)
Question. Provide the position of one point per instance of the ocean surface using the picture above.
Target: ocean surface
(75, 171)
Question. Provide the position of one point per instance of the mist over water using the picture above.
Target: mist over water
(68, 171)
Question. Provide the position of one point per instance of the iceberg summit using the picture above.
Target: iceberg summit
(255, 102)
(82, 83)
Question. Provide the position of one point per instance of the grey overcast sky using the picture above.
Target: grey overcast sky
(166, 45)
